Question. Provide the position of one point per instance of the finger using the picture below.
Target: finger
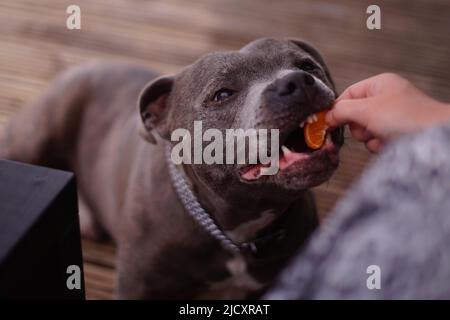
(373, 86)
(374, 145)
(360, 133)
(345, 111)
(359, 90)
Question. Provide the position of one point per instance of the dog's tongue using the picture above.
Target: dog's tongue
(286, 159)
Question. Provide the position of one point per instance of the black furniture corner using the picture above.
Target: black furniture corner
(39, 233)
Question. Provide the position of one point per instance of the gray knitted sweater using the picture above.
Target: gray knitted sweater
(396, 218)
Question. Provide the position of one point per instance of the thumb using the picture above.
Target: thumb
(345, 111)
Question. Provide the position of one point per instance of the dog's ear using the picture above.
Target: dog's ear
(152, 104)
(315, 54)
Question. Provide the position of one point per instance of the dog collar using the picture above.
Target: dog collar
(196, 211)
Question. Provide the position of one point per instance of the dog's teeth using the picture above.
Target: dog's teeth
(314, 117)
(301, 125)
(310, 119)
(285, 150)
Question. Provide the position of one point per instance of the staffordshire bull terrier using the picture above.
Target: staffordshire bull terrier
(190, 230)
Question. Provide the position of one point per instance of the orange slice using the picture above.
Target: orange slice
(315, 132)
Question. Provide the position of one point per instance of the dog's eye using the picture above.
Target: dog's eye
(222, 94)
(307, 66)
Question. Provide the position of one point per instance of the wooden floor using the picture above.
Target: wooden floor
(168, 34)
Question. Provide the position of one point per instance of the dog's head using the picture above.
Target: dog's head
(268, 84)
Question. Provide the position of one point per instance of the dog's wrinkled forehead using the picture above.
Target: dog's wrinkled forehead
(270, 46)
(257, 60)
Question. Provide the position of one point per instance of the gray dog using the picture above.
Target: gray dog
(187, 231)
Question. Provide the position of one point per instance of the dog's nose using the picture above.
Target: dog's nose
(293, 82)
(297, 91)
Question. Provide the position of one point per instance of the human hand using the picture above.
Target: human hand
(383, 107)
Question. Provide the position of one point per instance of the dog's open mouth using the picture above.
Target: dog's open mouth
(294, 150)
